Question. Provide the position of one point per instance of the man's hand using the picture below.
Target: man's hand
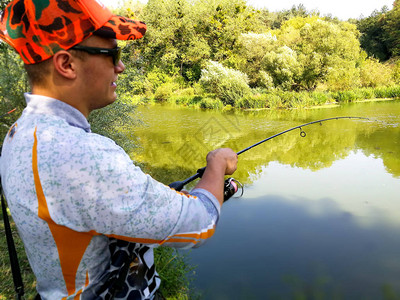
(220, 162)
(223, 156)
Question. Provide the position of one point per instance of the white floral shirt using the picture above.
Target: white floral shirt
(71, 191)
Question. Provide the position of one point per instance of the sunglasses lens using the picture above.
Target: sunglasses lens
(117, 56)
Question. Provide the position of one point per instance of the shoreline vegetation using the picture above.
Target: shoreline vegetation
(260, 100)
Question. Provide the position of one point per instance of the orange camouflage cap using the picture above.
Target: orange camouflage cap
(37, 29)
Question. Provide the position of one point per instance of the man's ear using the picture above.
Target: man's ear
(65, 64)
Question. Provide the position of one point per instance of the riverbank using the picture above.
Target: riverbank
(269, 99)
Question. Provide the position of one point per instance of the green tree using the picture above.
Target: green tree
(221, 23)
(13, 84)
(253, 49)
(391, 27)
(321, 46)
(283, 66)
(274, 20)
(172, 43)
(375, 74)
(344, 76)
(373, 34)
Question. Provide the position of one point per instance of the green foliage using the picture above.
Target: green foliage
(253, 49)
(130, 9)
(173, 270)
(306, 51)
(380, 35)
(155, 79)
(322, 47)
(344, 77)
(13, 84)
(283, 67)
(165, 91)
(346, 96)
(293, 50)
(368, 93)
(387, 92)
(183, 34)
(227, 84)
(375, 74)
(274, 20)
(391, 27)
(115, 122)
(222, 22)
(183, 100)
(274, 101)
(321, 98)
(211, 103)
(396, 72)
(285, 99)
(373, 34)
(252, 101)
(6, 281)
(172, 43)
(133, 80)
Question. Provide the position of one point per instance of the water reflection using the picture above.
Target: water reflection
(359, 184)
(320, 217)
(175, 141)
(274, 248)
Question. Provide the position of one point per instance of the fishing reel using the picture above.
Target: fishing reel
(231, 187)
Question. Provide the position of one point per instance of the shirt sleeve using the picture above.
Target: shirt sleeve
(91, 185)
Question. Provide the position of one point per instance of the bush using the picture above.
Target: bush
(187, 100)
(388, 92)
(186, 92)
(227, 84)
(344, 76)
(368, 93)
(375, 74)
(396, 72)
(252, 101)
(282, 67)
(348, 96)
(319, 98)
(211, 103)
(165, 91)
(266, 80)
(154, 79)
(274, 101)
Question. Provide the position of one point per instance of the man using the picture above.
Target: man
(88, 217)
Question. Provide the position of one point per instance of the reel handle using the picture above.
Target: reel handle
(231, 186)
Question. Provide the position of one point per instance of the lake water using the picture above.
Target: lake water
(320, 215)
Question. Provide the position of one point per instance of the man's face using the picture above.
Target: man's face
(99, 74)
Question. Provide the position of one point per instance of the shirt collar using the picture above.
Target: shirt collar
(45, 105)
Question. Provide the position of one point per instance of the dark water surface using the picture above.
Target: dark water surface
(320, 215)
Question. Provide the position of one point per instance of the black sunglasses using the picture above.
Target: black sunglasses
(115, 53)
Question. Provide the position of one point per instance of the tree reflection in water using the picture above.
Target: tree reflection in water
(320, 215)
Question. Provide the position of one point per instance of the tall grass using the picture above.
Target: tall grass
(275, 99)
(284, 99)
(6, 279)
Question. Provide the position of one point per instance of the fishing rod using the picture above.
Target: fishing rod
(231, 185)
(15, 268)
(7, 113)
